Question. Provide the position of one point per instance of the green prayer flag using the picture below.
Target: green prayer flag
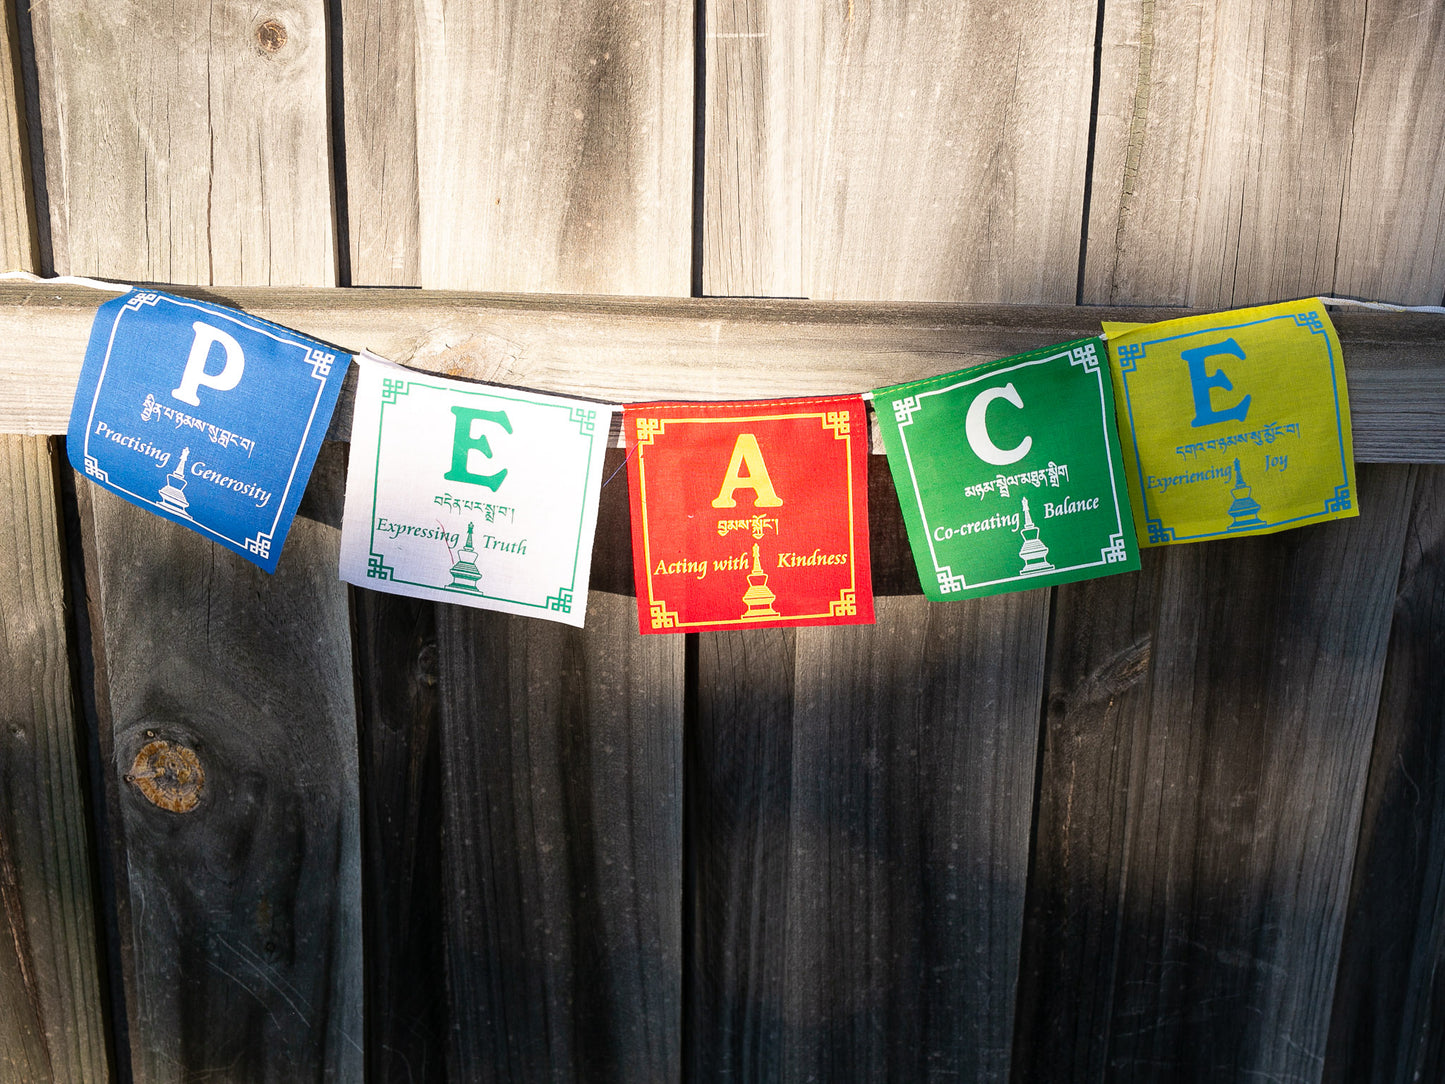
(1009, 473)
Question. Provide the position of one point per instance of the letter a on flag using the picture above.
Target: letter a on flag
(749, 515)
(1233, 423)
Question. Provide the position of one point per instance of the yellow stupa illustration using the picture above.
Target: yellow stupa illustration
(757, 598)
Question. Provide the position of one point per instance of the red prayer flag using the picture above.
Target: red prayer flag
(749, 515)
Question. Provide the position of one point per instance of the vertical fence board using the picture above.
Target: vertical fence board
(909, 838)
(190, 144)
(51, 1024)
(553, 149)
(401, 831)
(1200, 799)
(1223, 137)
(187, 143)
(242, 926)
(18, 247)
(51, 1028)
(947, 150)
(554, 146)
(1200, 790)
(378, 103)
(866, 152)
(563, 846)
(738, 846)
(1392, 238)
(756, 130)
(1390, 995)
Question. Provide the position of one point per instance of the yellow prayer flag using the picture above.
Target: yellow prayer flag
(1233, 423)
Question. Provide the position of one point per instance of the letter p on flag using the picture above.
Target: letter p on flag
(195, 376)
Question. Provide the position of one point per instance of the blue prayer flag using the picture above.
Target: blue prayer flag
(204, 415)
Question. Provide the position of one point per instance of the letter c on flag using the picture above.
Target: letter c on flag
(976, 428)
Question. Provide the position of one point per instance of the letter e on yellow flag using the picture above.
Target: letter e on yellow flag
(1233, 423)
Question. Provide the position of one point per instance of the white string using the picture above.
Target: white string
(68, 280)
(1383, 306)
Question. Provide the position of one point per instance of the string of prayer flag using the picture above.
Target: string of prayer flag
(1009, 473)
(473, 494)
(204, 415)
(1047, 467)
(1234, 423)
(749, 515)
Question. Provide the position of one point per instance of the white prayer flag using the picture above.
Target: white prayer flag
(472, 493)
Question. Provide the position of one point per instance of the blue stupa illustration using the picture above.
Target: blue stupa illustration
(465, 572)
(173, 496)
(758, 598)
(1244, 512)
(1034, 553)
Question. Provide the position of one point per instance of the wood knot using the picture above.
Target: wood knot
(169, 776)
(271, 36)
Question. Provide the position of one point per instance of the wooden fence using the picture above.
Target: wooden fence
(1180, 824)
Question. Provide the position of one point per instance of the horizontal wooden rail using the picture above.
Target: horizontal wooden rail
(626, 350)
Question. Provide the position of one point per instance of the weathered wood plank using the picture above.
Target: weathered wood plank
(401, 820)
(191, 155)
(378, 42)
(18, 248)
(913, 787)
(554, 146)
(845, 925)
(241, 926)
(1389, 1000)
(1392, 233)
(51, 1026)
(740, 780)
(946, 150)
(756, 136)
(1224, 134)
(562, 764)
(627, 350)
(201, 155)
(554, 151)
(1200, 793)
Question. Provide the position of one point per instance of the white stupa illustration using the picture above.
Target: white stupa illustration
(173, 497)
(1034, 553)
